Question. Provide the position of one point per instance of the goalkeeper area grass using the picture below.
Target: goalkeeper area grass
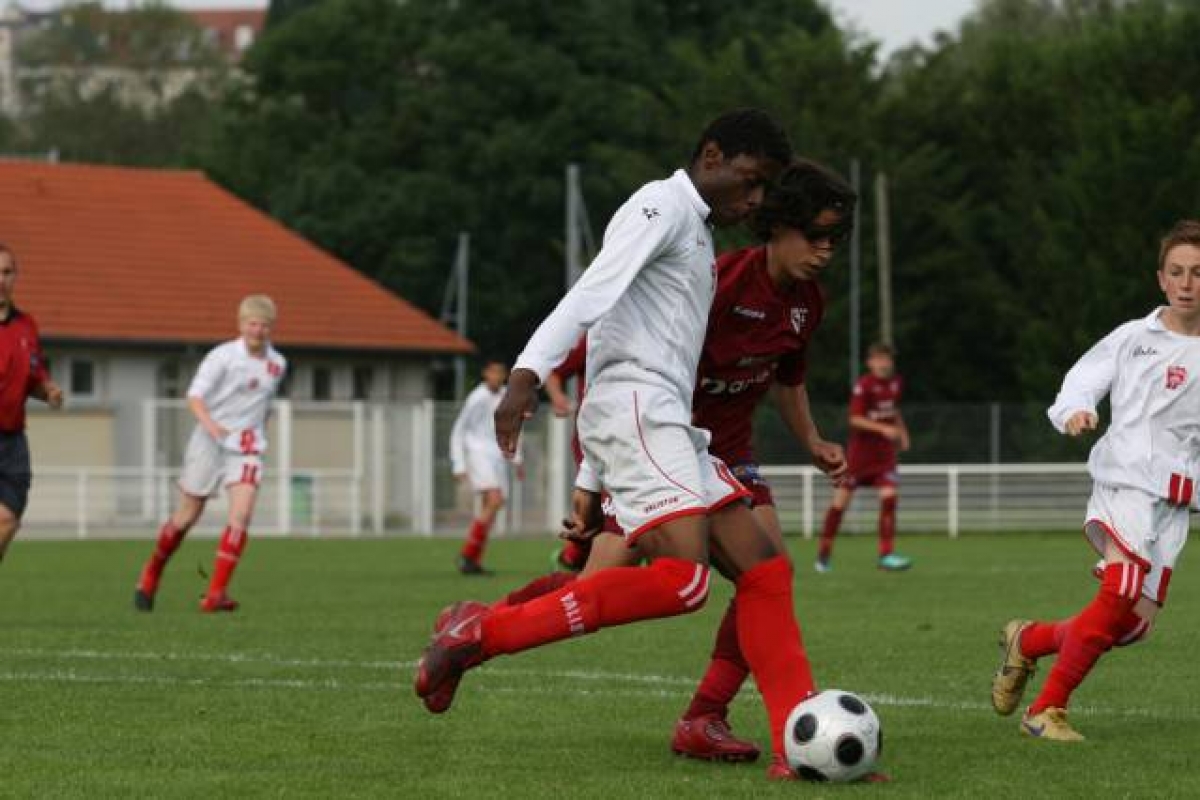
(306, 691)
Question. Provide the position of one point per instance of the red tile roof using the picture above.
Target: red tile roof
(139, 255)
(224, 22)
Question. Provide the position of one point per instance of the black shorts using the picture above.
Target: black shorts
(15, 472)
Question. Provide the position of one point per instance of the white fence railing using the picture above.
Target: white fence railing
(945, 497)
(90, 502)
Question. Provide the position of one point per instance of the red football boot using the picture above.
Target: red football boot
(454, 649)
(217, 602)
(709, 738)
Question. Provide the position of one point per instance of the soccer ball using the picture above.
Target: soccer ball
(832, 736)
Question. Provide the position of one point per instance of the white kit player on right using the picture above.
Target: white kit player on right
(230, 397)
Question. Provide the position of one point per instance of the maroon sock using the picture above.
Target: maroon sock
(536, 588)
(833, 520)
(887, 526)
(726, 672)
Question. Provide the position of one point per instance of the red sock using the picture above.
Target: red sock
(1094, 631)
(229, 551)
(1043, 638)
(616, 596)
(536, 588)
(771, 642)
(726, 672)
(169, 539)
(887, 526)
(833, 521)
(476, 540)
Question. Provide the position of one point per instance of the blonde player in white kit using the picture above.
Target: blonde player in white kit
(1145, 469)
(476, 458)
(231, 400)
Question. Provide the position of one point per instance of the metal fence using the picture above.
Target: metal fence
(361, 469)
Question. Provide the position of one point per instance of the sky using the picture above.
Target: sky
(895, 23)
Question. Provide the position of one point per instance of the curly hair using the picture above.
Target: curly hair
(746, 131)
(798, 196)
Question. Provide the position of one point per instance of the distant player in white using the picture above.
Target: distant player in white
(1145, 469)
(230, 397)
(476, 458)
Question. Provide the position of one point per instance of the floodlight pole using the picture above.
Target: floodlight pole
(883, 240)
(855, 273)
(454, 306)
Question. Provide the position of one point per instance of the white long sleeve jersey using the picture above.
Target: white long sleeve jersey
(644, 300)
(237, 389)
(1152, 377)
(475, 428)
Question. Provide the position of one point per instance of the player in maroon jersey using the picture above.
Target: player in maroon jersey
(877, 434)
(24, 376)
(766, 308)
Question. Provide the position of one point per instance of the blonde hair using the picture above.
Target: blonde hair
(257, 306)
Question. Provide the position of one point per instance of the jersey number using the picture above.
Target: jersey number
(250, 474)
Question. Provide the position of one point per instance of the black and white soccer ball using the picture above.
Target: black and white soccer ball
(832, 736)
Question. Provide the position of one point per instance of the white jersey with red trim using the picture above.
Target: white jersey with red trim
(474, 430)
(1152, 377)
(644, 301)
(237, 388)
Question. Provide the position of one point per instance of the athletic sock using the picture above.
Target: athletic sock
(229, 552)
(1043, 638)
(833, 520)
(573, 555)
(169, 539)
(610, 597)
(887, 526)
(771, 643)
(1090, 634)
(726, 672)
(536, 588)
(476, 540)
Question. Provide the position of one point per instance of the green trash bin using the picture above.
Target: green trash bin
(302, 500)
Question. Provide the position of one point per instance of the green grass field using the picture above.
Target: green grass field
(306, 691)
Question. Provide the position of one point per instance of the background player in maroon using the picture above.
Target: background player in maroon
(23, 374)
(767, 307)
(877, 434)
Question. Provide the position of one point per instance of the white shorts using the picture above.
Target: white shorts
(1146, 528)
(207, 466)
(487, 471)
(654, 466)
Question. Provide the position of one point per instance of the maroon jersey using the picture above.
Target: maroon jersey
(22, 368)
(757, 334)
(878, 400)
(575, 366)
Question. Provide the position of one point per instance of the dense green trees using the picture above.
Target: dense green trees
(1034, 157)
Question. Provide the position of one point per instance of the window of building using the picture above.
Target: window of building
(364, 381)
(81, 378)
(243, 37)
(322, 383)
(170, 380)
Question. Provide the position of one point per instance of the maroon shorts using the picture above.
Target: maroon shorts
(875, 478)
(748, 475)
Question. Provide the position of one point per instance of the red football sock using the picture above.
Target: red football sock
(887, 526)
(833, 521)
(476, 540)
(771, 642)
(229, 551)
(169, 539)
(1094, 631)
(726, 672)
(1043, 638)
(536, 588)
(615, 596)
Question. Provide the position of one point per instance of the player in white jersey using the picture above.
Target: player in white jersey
(230, 397)
(644, 302)
(1144, 469)
(476, 458)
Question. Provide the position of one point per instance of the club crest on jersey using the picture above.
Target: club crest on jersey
(1176, 376)
(799, 317)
